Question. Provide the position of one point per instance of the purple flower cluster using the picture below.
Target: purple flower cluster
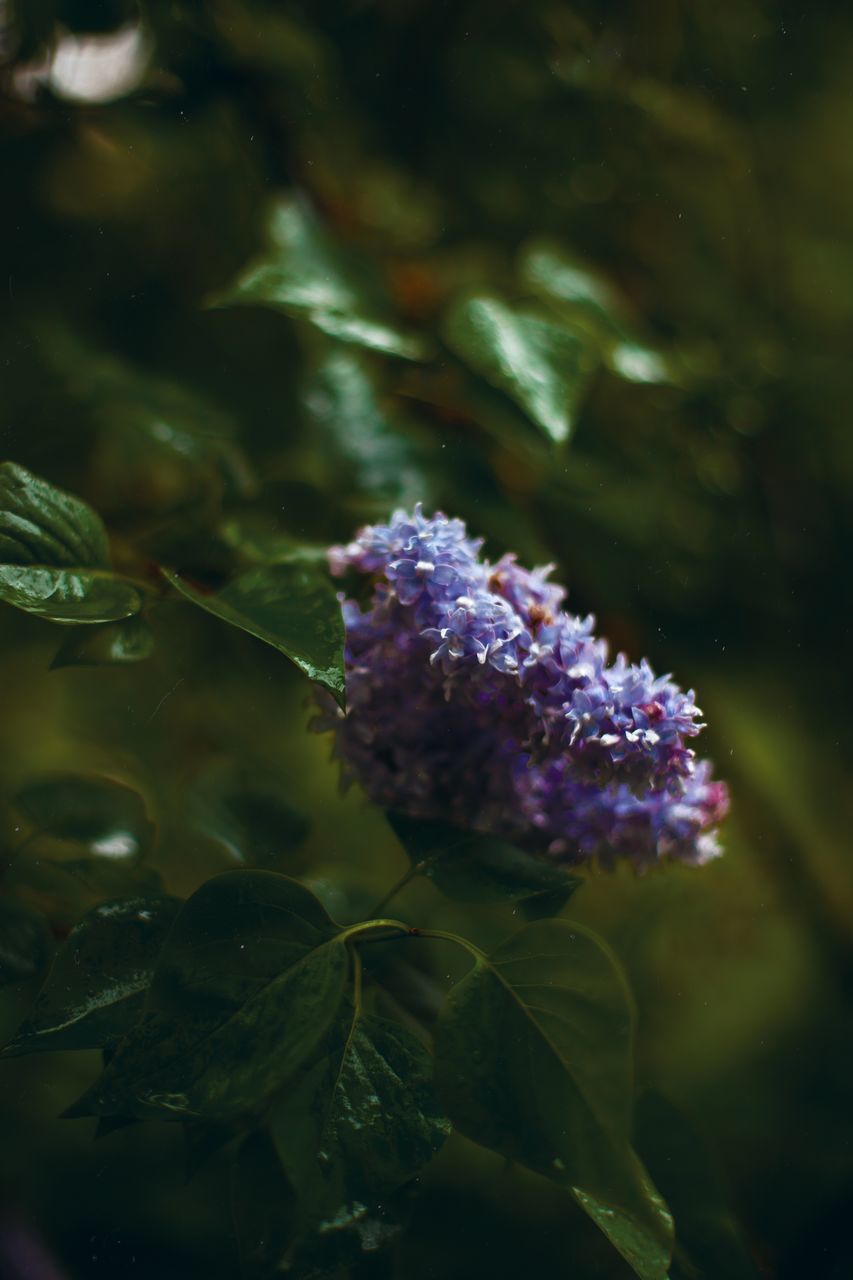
(473, 697)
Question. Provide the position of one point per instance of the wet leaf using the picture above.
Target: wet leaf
(54, 554)
(95, 990)
(291, 606)
(251, 978)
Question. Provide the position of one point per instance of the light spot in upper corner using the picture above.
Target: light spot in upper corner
(89, 68)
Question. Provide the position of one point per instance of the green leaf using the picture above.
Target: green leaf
(471, 867)
(304, 275)
(292, 607)
(585, 297)
(262, 1204)
(246, 987)
(708, 1242)
(25, 942)
(247, 811)
(106, 817)
(541, 363)
(533, 1060)
(68, 595)
(342, 406)
(363, 1119)
(54, 554)
(113, 644)
(95, 990)
(42, 525)
(64, 889)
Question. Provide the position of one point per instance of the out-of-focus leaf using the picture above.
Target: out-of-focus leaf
(541, 363)
(533, 1059)
(65, 889)
(259, 539)
(341, 403)
(250, 813)
(95, 990)
(471, 867)
(708, 1242)
(304, 275)
(25, 942)
(54, 554)
(109, 819)
(263, 1204)
(245, 989)
(585, 297)
(159, 441)
(291, 606)
(113, 644)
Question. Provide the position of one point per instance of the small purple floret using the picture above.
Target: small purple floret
(473, 697)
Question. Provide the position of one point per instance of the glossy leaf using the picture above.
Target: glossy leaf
(113, 644)
(304, 275)
(533, 1059)
(359, 1123)
(364, 1118)
(292, 607)
(540, 362)
(109, 819)
(25, 942)
(68, 595)
(251, 978)
(54, 554)
(43, 525)
(95, 990)
(65, 888)
(709, 1243)
(471, 867)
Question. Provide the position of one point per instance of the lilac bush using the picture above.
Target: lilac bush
(475, 698)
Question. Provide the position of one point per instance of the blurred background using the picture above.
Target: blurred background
(667, 187)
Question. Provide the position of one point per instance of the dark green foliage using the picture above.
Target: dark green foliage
(581, 275)
(533, 1058)
(97, 985)
(291, 606)
(54, 554)
(476, 868)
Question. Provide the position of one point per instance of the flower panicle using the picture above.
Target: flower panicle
(474, 695)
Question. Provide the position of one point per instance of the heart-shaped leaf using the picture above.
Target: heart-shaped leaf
(96, 987)
(471, 867)
(533, 1059)
(251, 978)
(291, 606)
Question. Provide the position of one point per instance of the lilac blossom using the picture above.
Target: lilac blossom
(474, 697)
